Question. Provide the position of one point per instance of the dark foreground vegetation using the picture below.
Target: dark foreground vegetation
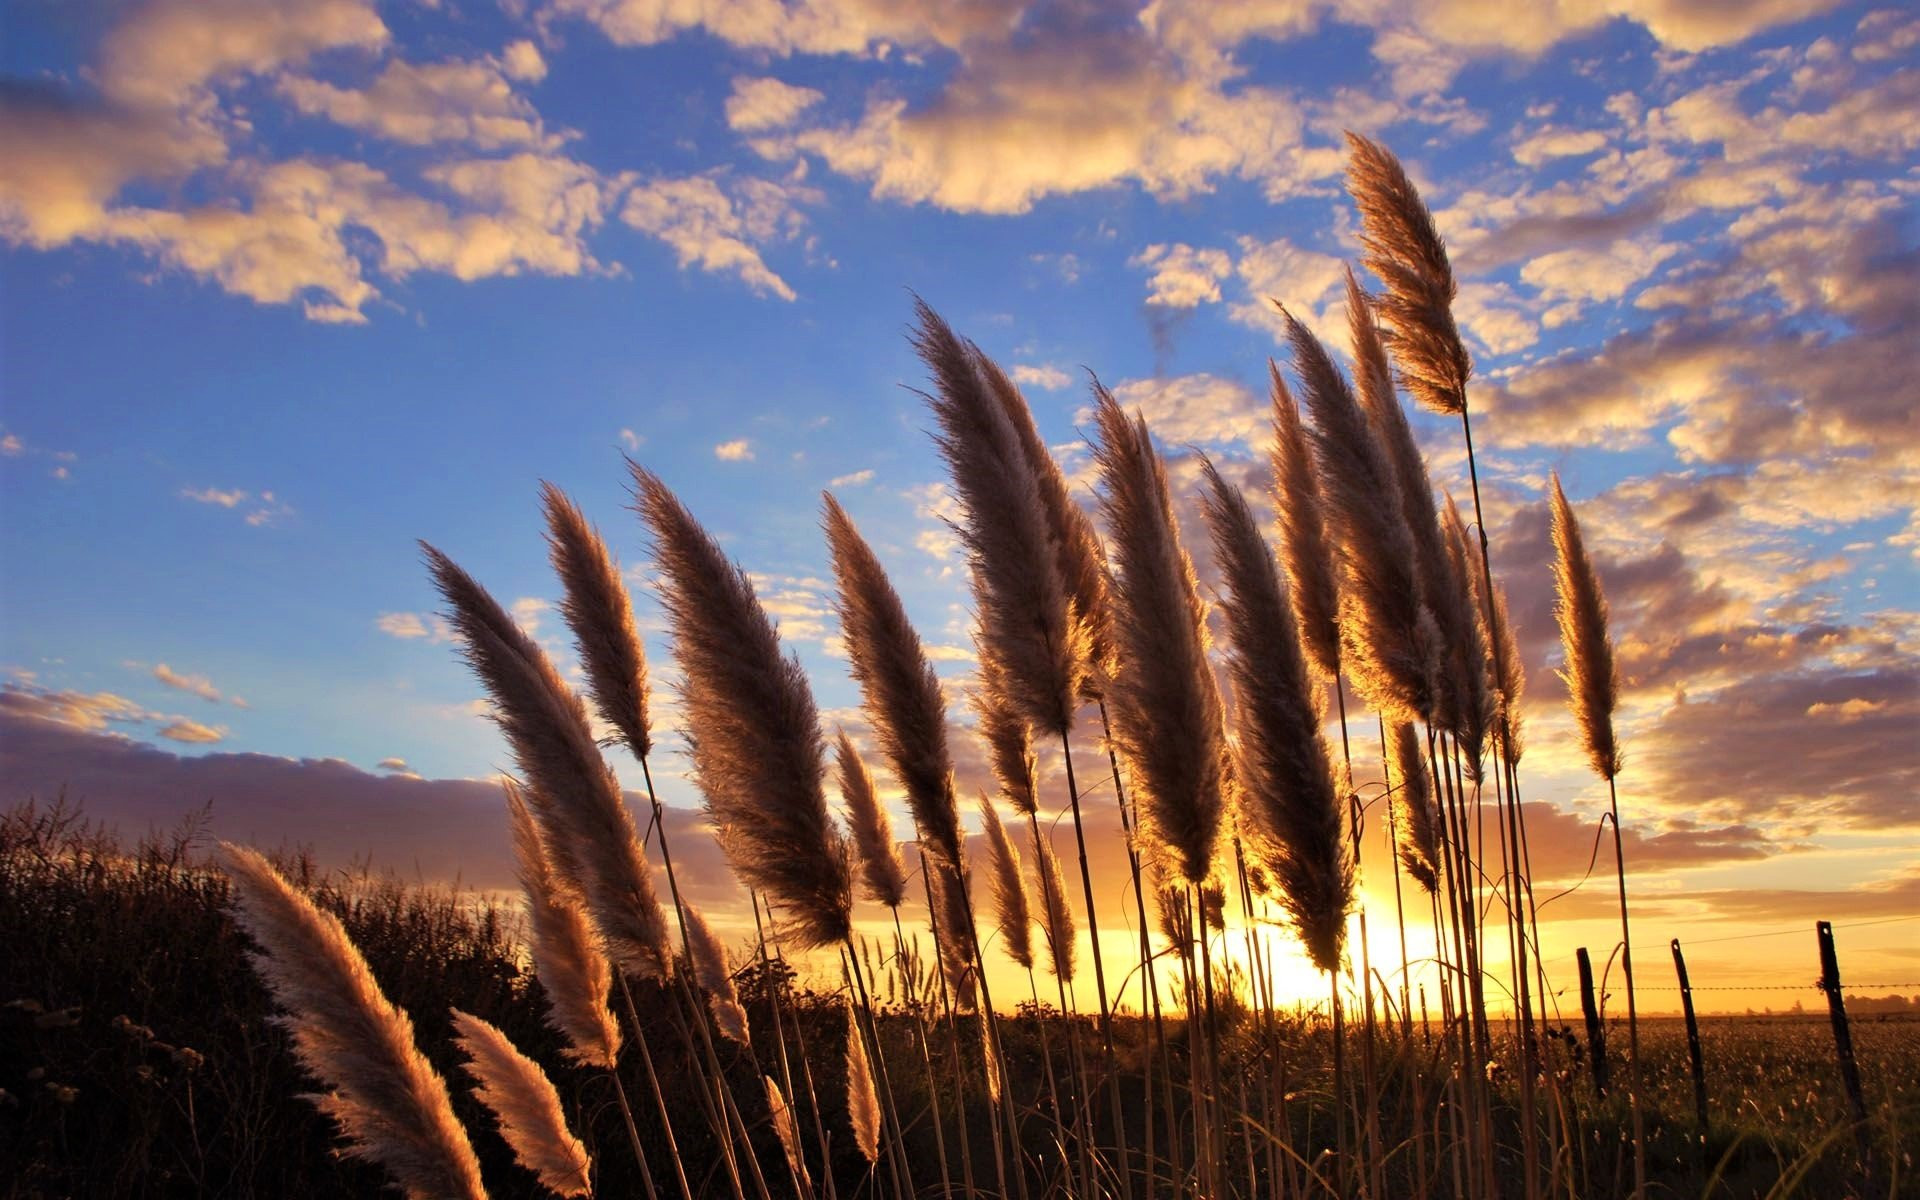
(137, 1057)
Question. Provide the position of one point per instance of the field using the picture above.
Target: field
(137, 1060)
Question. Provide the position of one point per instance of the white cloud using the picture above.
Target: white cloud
(422, 103)
(1549, 143)
(716, 232)
(1045, 376)
(737, 450)
(630, 439)
(199, 685)
(224, 497)
(408, 625)
(1183, 276)
(1199, 408)
(193, 732)
(167, 50)
(853, 479)
(1304, 281)
(759, 105)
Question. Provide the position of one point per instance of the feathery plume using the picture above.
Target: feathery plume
(1172, 906)
(710, 972)
(863, 1098)
(994, 1082)
(1025, 608)
(1165, 706)
(1303, 531)
(1513, 674)
(881, 871)
(1387, 637)
(1009, 890)
(787, 1129)
(753, 730)
(1403, 248)
(586, 829)
(1451, 608)
(1593, 682)
(566, 959)
(1469, 668)
(1416, 825)
(1083, 564)
(1009, 741)
(904, 702)
(951, 917)
(521, 1097)
(1281, 766)
(1056, 916)
(600, 614)
(389, 1102)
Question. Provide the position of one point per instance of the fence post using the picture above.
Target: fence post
(1693, 1039)
(1842, 1035)
(1596, 1032)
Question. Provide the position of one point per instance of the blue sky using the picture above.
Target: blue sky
(288, 286)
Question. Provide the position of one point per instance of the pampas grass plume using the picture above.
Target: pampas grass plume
(521, 1097)
(1009, 889)
(710, 972)
(566, 958)
(1164, 705)
(787, 1129)
(390, 1104)
(1282, 771)
(1056, 917)
(1593, 682)
(863, 1098)
(753, 729)
(587, 832)
(600, 614)
(881, 871)
(1416, 824)
(1009, 741)
(1404, 250)
(1303, 532)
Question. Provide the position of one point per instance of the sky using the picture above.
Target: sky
(285, 286)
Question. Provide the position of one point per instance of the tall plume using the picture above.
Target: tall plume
(586, 829)
(522, 1099)
(1451, 607)
(1284, 778)
(390, 1104)
(1593, 683)
(952, 918)
(1083, 563)
(1303, 532)
(881, 871)
(1022, 598)
(1469, 667)
(600, 614)
(1056, 917)
(904, 702)
(1387, 636)
(1009, 889)
(710, 972)
(1404, 250)
(863, 1098)
(1513, 674)
(787, 1129)
(752, 727)
(1009, 741)
(1165, 706)
(566, 959)
(1416, 824)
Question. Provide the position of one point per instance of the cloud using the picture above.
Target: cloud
(225, 498)
(167, 50)
(199, 685)
(192, 732)
(392, 764)
(408, 625)
(717, 232)
(852, 479)
(759, 105)
(1183, 276)
(1200, 408)
(1045, 376)
(419, 104)
(737, 450)
(437, 829)
(630, 439)
(1303, 281)
(1552, 142)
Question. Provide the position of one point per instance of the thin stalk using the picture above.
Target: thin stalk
(953, 1035)
(633, 1134)
(926, 1059)
(869, 1027)
(780, 1040)
(1633, 1014)
(659, 1100)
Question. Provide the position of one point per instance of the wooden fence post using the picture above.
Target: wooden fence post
(1596, 1032)
(1693, 1039)
(1842, 1035)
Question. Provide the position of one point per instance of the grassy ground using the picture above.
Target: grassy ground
(138, 1058)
